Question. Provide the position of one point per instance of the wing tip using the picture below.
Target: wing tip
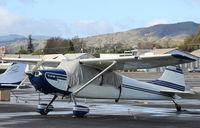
(183, 57)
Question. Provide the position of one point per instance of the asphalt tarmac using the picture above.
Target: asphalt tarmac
(20, 112)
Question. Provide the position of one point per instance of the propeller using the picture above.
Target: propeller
(31, 72)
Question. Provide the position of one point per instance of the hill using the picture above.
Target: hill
(163, 34)
(14, 42)
(11, 38)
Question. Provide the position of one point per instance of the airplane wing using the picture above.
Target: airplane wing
(122, 63)
(134, 62)
(47, 62)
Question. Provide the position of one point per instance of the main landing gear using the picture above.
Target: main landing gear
(44, 109)
(79, 110)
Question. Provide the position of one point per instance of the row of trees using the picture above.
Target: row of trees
(56, 45)
(191, 43)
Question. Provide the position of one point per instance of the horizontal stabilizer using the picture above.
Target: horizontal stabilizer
(176, 92)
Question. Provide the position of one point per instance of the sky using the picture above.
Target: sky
(82, 18)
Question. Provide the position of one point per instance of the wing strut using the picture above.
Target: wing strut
(94, 78)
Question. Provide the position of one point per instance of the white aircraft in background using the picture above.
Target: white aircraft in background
(13, 76)
(82, 75)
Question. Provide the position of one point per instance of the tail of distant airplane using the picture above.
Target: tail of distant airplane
(13, 75)
(172, 78)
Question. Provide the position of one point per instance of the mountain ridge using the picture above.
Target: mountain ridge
(16, 37)
(171, 34)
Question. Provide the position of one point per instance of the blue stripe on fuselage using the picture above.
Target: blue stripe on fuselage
(143, 90)
(168, 85)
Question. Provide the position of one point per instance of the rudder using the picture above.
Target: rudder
(173, 78)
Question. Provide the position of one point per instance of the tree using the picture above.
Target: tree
(30, 47)
(52, 46)
(191, 42)
(148, 45)
(71, 46)
(79, 45)
(57, 45)
(22, 51)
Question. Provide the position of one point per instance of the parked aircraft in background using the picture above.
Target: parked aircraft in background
(82, 75)
(13, 76)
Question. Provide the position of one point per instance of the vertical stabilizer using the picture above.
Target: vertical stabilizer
(172, 78)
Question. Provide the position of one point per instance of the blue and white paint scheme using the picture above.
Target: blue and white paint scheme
(13, 76)
(50, 81)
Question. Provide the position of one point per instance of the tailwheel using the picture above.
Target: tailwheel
(80, 111)
(43, 110)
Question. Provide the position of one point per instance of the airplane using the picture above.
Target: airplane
(82, 75)
(13, 76)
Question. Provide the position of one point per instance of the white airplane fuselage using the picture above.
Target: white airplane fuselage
(130, 89)
(54, 82)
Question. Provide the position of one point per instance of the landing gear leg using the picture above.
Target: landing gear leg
(44, 109)
(178, 107)
(79, 110)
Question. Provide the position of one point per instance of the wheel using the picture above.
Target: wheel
(80, 111)
(42, 109)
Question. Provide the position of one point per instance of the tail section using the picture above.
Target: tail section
(13, 75)
(172, 78)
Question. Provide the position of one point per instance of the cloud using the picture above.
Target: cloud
(12, 23)
(196, 0)
(156, 21)
(17, 24)
(91, 27)
(4, 2)
(27, 1)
